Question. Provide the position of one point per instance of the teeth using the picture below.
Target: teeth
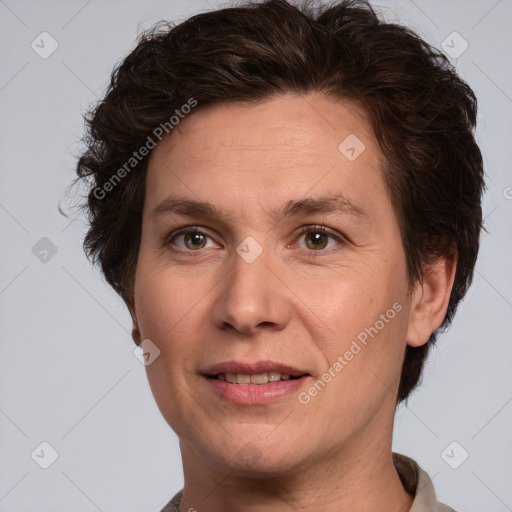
(259, 378)
(243, 379)
(274, 376)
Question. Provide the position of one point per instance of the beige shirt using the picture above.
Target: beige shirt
(415, 481)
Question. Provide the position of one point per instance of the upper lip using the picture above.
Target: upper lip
(253, 368)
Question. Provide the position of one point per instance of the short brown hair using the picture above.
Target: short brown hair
(423, 116)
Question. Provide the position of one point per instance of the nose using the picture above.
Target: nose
(251, 298)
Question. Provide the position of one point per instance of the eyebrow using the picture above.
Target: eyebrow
(337, 204)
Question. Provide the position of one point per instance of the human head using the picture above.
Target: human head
(422, 115)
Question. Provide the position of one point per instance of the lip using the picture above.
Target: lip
(253, 368)
(254, 394)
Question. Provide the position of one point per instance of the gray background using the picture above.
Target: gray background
(68, 374)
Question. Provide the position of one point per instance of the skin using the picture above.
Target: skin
(294, 304)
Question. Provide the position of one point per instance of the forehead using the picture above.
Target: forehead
(289, 122)
(276, 150)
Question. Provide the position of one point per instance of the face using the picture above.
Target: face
(270, 252)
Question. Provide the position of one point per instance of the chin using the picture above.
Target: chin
(254, 454)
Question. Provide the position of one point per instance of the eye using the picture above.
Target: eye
(192, 239)
(316, 238)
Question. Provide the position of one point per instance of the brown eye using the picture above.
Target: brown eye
(319, 240)
(189, 239)
(194, 240)
(316, 240)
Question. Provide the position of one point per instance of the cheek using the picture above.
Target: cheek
(165, 306)
(366, 313)
(169, 313)
(364, 365)
(349, 300)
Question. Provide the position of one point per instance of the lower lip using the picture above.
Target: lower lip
(255, 394)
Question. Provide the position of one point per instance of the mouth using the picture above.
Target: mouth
(258, 378)
(254, 383)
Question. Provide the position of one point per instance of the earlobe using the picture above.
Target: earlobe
(430, 300)
(135, 326)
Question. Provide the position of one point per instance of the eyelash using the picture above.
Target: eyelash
(304, 230)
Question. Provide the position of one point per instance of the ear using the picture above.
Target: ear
(430, 299)
(135, 325)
